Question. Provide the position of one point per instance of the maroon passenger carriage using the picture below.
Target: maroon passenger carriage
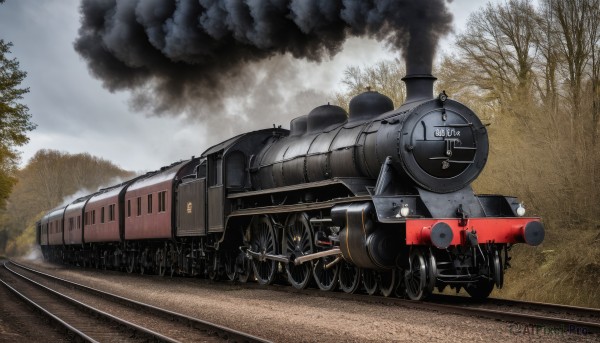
(150, 220)
(73, 229)
(103, 226)
(53, 223)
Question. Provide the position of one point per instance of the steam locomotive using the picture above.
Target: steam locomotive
(378, 199)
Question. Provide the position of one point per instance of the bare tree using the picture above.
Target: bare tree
(576, 27)
(548, 60)
(499, 49)
(593, 30)
(384, 77)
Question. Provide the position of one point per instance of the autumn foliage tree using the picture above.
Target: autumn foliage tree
(15, 120)
(52, 178)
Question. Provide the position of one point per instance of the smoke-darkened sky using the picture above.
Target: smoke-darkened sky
(176, 56)
(153, 111)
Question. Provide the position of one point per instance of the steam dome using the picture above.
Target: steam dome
(368, 105)
(324, 116)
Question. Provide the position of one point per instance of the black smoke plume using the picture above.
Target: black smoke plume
(170, 52)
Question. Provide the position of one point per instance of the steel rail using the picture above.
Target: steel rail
(541, 306)
(90, 309)
(50, 315)
(222, 331)
(579, 326)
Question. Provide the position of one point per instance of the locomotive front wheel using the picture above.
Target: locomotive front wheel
(298, 241)
(482, 289)
(369, 281)
(496, 268)
(263, 241)
(387, 282)
(415, 277)
(349, 277)
(326, 279)
(431, 272)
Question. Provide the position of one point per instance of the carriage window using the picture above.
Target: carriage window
(102, 215)
(70, 224)
(162, 199)
(78, 222)
(129, 208)
(111, 212)
(149, 203)
(139, 206)
(93, 217)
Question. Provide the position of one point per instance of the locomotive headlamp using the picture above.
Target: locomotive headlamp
(520, 210)
(404, 211)
(443, 96)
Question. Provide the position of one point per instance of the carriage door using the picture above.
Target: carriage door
(215, 192)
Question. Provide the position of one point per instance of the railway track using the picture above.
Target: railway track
(580, 320)
(532, 316)
(97, 316)
(575, 312)
(549, 318)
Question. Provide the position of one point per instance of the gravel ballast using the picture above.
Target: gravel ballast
(300, 317)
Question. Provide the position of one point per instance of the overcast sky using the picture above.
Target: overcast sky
(75, 114)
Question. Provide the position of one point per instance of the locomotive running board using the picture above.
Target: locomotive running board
(298, 207)
(358, 186)
(297, 261)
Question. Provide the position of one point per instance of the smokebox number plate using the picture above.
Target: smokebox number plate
(446, 133)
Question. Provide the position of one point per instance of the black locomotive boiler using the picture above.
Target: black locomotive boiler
(378, 198)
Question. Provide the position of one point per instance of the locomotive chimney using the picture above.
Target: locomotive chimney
(418, 79)
(418, 86)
